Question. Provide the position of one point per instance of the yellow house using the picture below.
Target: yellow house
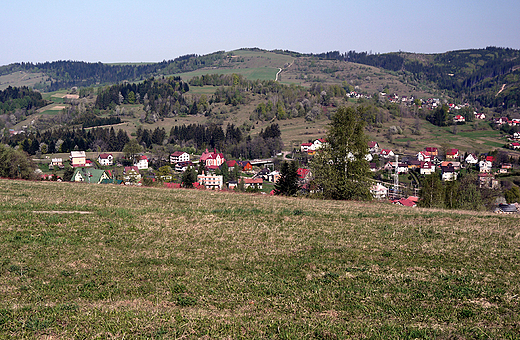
(78, 158)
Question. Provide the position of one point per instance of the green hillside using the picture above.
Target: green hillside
(104, 261)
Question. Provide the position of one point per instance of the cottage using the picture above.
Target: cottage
(448, 173)
(179, 156)
(305, 147)
(485, 166)
(432, 151)
(514, 145)
(459, 119)
(105, 159)
(487, 180)
(212, 159)
(56, 163)
(318, 144)
(471, 159)
(92, 176)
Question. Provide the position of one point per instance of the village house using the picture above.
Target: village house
(56, 163)
(514, 145)
(471, 159)
(487, 180)
(485, 166)
(454, 164)
(211, 181)
(105, 159)
(305, 147)
(179, 156)
(212, 160)
(432, 151)
(92, 176)
(78, 159)
(452, 154)
(448, 173)
(427, 168)
(373, 147)
(131, 175)
(182, 166)
(273, 176)
(379, 191)
(304, 175)
(318, 144)
(459, 119)
(142, 163)
(387, 153)
(424, 156)
(253, 182)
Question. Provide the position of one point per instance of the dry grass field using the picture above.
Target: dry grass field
(92, 261)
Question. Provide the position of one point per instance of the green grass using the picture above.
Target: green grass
(158, 263)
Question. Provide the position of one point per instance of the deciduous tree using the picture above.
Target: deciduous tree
(339, 167)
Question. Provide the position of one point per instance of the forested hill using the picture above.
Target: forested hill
(490, 76)
(475, 75)
(66, 74)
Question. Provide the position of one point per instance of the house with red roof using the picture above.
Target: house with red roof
(452, 154)
(424, 156)
(106, 159)
(432, 151)
(304, 174)
(373, 147)
(405, 202)
(427, 168)
(387, 153)
(305, 147)
(459, 119)
(142, 163)
(212, 159)
(253, 182)
(515, 145)
(179, 156)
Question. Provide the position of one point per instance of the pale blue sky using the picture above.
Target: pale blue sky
(138, 30)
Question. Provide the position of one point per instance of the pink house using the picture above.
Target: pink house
(212, 159)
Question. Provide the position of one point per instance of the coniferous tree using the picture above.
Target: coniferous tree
(287, 184)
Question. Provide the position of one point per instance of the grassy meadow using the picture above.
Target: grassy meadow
(92, 261)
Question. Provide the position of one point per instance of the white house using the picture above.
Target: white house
(105, 159)
(485, 166)
(379, 191)
(179, 156)
(424, 156)
(471, 159)
(142, 163)
(386, 153)
(427, 168)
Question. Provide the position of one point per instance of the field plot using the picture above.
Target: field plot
(21, 78)
(92, 261)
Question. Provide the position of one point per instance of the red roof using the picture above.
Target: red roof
(177, 153)
(372, 144)
(306, 144)
(302, 173)
(259, 180)
(405, 202)
(104, 155)
(490, 158)
(431, 149)
(128, 168)
(452, 152)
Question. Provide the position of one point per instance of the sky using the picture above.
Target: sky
(154, 30)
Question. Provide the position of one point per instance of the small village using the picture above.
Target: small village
(260, 176)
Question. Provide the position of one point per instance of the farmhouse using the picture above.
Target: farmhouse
(142, 163)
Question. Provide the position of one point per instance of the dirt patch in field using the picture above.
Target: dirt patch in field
(61, 212)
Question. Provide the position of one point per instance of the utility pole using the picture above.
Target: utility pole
(396, 176)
